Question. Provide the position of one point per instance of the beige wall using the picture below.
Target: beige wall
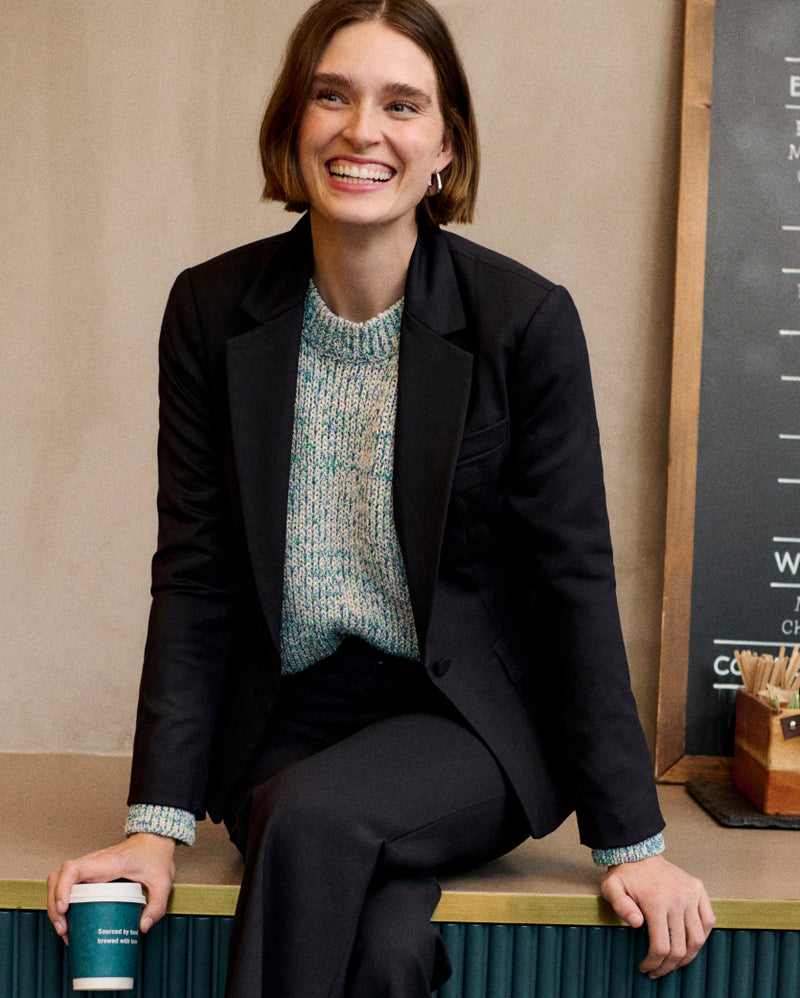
(129, 152)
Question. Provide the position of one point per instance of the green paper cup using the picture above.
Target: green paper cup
(104, 935)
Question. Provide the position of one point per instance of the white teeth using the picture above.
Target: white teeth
(351, 171)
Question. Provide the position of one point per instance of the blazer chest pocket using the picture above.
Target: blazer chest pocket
(474, 445)
(478, 479)
(510, 651)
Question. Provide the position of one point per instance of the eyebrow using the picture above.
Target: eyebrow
(390, 90)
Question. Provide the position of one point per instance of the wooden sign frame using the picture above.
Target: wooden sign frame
(671, 763)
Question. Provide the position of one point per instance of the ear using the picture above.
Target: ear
(445, 155)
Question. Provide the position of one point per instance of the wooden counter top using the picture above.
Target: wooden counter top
(55, 807)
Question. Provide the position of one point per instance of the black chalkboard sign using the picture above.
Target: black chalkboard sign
(745, 550)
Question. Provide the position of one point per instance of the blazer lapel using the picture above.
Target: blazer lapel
(262, 377)
(433, 392)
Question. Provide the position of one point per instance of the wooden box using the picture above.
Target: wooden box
(766, 761)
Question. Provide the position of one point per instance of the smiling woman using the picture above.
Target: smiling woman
(371, 137)
(381, 515)
(417, 23)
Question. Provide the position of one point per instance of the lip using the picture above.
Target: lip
(357, 173)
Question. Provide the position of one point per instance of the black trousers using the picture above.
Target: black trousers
(368, 786)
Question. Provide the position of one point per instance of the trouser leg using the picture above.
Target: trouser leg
(395, 803)
(398, 952)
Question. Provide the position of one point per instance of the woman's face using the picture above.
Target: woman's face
(372, 132)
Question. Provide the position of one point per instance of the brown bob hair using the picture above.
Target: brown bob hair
(417, 20)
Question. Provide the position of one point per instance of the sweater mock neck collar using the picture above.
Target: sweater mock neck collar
(372, 340)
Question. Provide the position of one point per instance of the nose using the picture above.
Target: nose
(361, 128)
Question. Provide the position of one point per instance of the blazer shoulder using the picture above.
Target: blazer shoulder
(241, 263)
(215, 288)
(479, 261)
(502, 295)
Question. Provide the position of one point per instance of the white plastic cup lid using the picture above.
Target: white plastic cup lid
(124, 891)
(102, 983)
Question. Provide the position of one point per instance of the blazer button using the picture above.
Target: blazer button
(441, 667)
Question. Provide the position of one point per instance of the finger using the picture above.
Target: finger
(99, 867)
(614, 892)
(94, 868)
(659, 944)
(695, 937)
(707, 915)
(59, 886)
(156, 907)
(666, 956)
(56, 917)
(699, 922)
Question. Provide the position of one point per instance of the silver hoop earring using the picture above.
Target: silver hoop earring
(437, 183)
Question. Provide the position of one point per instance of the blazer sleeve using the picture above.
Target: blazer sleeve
(196, 582)
(564, 575)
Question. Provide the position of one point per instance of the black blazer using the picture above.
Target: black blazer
(499, 508)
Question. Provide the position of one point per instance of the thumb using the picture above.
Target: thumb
(613, 890)
(156, 907)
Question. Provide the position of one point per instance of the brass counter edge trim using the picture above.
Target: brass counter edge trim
(482, 907)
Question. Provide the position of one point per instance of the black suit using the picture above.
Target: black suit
(500, 513)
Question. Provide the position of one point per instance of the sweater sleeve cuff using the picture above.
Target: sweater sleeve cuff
(629, 854)
(159, 820)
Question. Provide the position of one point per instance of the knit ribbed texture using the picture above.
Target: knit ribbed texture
(159, 820)
(629, 854)
(344, 572)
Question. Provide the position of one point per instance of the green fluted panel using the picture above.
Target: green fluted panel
(186, 957)
(789, 958)
(454, 936)
(476, 959)
(500, 956)
(640, 984)
(181, 957)
(573, 960)
(547, 965)
(7, 950)
(765, 971)
(222, 938)
(742, 964)
(523, 960)
(598, 961)
(621, 964)
(695, 976)
(719, 964)
(27, 940)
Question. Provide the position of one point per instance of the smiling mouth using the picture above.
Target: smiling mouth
(353, 173)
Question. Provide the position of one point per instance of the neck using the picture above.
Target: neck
(358, 271)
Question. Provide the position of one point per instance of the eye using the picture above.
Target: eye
(402, 107)
(328, 97)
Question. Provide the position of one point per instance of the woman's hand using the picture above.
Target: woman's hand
(673, 904)
(143, 858)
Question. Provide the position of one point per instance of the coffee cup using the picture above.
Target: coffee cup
(103, 925)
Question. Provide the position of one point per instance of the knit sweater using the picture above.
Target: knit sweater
(344, 572)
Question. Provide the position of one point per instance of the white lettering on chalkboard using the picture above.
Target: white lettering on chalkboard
(794, 86)
(798, 126)
(788, 562)
(725, 666)
(791, 628)
(794, 152)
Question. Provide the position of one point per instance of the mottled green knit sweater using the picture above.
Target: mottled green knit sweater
(344, 572)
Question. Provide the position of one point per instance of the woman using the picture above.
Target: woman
(381, 514)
